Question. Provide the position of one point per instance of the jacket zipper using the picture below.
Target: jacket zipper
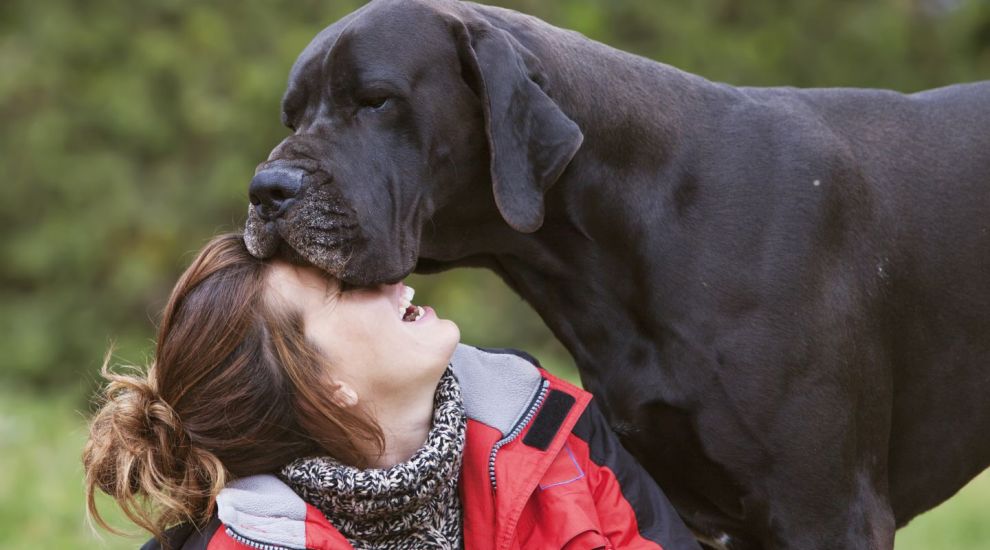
(534, 406)
(251, 543)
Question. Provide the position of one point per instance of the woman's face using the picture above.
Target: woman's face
(370, 346)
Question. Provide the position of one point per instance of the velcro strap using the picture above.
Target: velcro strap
(549, 419)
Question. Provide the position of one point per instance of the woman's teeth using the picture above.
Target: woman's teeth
(407, 311)
(413, 313)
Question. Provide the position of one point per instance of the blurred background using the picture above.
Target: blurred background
(130, 130)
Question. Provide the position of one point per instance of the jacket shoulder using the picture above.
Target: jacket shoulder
(263, 512)
(185, 536)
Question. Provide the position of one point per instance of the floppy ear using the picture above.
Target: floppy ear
(530, 140)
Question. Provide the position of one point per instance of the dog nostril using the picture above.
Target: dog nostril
(271, 190)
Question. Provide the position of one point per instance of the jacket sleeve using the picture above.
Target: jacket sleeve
(632, 509)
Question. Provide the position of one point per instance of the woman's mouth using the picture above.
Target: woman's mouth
(408, 312)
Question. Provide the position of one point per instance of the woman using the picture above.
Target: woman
(285, 410)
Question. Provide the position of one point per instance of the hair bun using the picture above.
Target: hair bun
(141, 420)
(138, 451)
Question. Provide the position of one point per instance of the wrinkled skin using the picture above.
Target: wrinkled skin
(780, 297)
(377, 174)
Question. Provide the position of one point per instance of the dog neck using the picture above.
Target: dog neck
(635, 148)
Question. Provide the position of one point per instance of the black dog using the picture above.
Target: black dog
(781, 297)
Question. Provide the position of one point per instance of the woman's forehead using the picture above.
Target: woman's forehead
(300, 282)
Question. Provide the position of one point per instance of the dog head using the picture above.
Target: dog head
(402, 113)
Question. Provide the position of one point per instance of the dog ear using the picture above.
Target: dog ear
(530, 140)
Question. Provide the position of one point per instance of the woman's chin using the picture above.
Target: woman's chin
(449, 337)
(432, 336)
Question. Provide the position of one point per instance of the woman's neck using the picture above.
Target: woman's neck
(405, 421)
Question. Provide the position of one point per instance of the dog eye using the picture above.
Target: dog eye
(376, 103)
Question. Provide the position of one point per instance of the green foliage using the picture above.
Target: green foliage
(129, 134)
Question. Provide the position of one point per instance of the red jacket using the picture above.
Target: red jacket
(542, 469)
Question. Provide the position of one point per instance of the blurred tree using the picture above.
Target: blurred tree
(130, 130)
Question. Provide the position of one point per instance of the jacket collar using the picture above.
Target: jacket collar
(264, 511)
(498, 388)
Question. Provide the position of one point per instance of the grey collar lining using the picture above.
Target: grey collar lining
(497, 387)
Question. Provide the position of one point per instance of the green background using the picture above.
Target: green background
(129, 131)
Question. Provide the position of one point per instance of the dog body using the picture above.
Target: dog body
(780, 297)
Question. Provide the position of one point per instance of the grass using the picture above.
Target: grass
(961, 523)
(42, 503)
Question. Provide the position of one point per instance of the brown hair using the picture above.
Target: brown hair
(234, 390)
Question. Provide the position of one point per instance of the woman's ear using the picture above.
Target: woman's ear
(345, 396)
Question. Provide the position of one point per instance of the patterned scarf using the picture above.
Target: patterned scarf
(411, 505)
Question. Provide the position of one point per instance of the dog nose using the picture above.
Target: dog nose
(273, 189)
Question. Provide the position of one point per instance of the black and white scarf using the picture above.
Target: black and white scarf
(407, 506)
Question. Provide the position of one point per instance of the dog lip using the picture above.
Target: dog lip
(260, 239)
(272, 217)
